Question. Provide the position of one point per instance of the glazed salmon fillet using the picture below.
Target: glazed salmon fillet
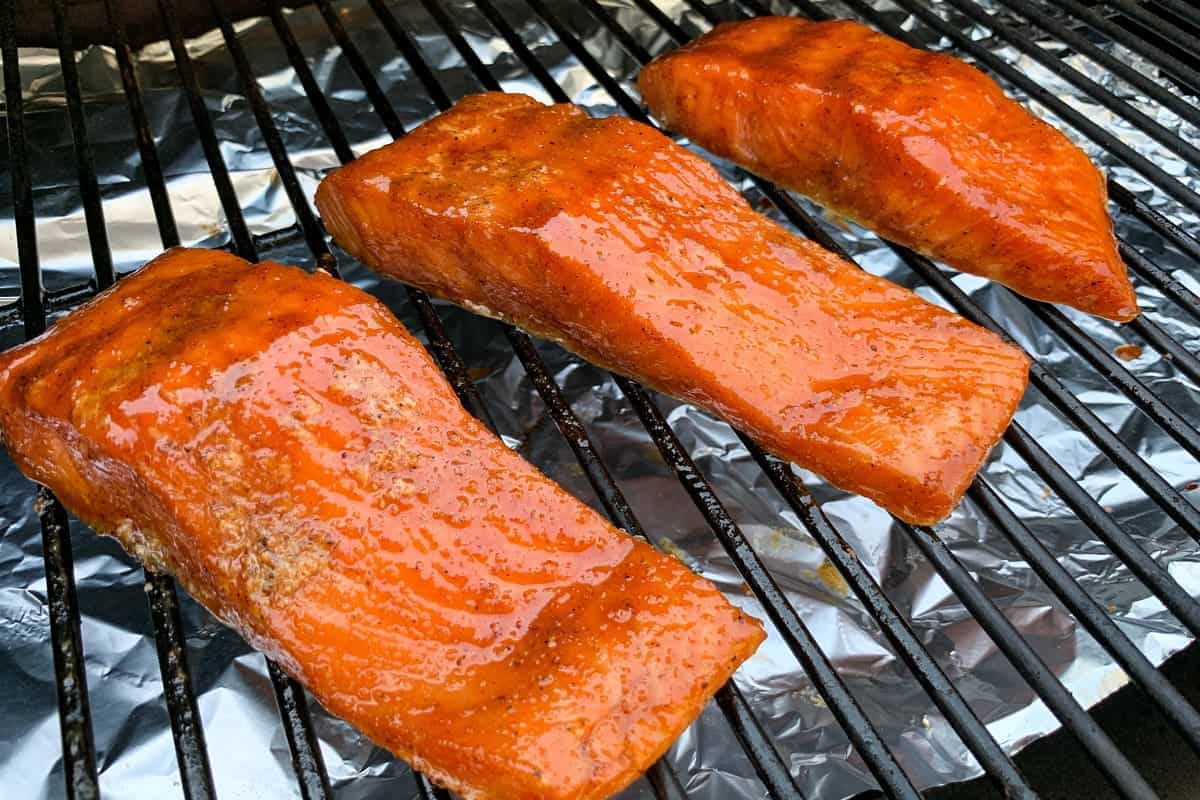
(278, 442)
(919, 147)
(632, 252)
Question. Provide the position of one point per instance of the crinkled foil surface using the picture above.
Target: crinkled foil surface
(248, 750)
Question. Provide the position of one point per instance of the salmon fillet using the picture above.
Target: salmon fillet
(632, 252)
(919, 147)
(279, 443)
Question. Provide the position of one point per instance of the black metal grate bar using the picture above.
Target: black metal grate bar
(1132, 204)
(301, 738)
(75, 719)
(770, 767)
(1182, 8)
(89, 188)
(1157, 24)
(523, 53)
(841, 702)
(672, 28)
(1159, 28)
(1175, 15)
(341, 147)
(410, 51)
(1119, 376)
(1183, 359)
(170, 645)
(1115, 537)
(243, 244)
(1152, 172)
(314, 236)
(452, 34)
(1172, 67)
(1093, 617)
(1162, 280)
(156, 185)
(1120, 773)
(428, 791)
(33, 310)
(1100, 94)
(79, 750)
(1116, 768)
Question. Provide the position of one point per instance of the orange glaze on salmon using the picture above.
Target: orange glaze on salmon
(919, 147)
(632, 252)
(279, 443)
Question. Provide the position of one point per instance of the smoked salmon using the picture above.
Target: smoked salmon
(606, 236)
(279, 443)
(919, 147)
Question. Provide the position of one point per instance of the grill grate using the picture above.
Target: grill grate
(1164, 23)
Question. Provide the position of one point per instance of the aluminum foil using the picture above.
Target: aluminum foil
(248, 751)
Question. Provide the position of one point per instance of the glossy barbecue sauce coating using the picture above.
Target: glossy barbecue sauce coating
(631, 251)
(279, 443)
(919, 147)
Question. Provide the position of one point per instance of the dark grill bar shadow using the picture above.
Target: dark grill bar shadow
(79, 750)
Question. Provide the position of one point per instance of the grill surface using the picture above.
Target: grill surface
(1164, 32)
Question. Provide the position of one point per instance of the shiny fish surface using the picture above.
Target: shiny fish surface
(607, 237)
(278, 442)
(921, 148)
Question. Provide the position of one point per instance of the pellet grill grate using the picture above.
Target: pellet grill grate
(1162, 32)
